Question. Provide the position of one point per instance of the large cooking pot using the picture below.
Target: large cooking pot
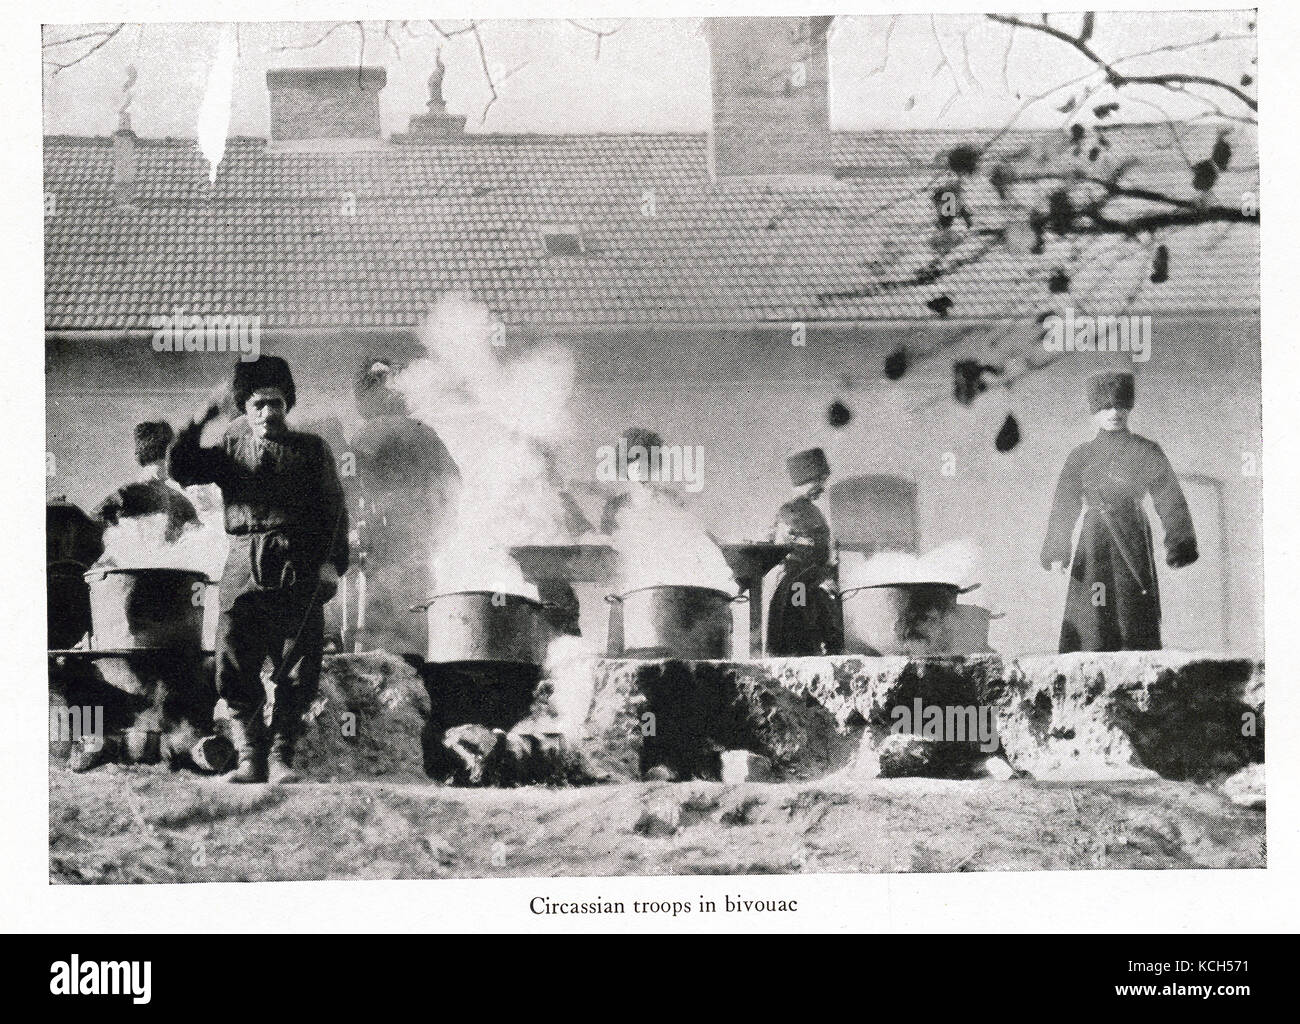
(146, 609)
(692, 623)
(486, 626)
(900, 618)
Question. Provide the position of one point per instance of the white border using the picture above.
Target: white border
(1039, 901)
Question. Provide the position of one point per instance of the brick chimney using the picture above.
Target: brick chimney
(125, 142)
(124, 165)
(338, 104)
(771, 101)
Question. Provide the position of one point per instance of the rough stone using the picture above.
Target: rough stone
(659, 821)
(1129, 713)
(368, 720)
(745, 766)
(1104, 716)
(680, 715)
(1246, 788)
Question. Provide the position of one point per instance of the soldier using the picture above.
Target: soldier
(1113, 603)
(286, 516)
(152, 493)
(804, 613)
(407, 482)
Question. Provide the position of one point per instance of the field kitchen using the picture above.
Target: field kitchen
(425, 501)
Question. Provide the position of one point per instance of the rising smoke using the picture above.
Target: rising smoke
(955, 562)
(659, 544)
(500, 409)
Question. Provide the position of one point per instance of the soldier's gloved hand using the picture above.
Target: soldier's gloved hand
(329, 582)
(1182, 554)
(219, 398)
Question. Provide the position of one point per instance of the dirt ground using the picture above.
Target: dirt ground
(132, 824)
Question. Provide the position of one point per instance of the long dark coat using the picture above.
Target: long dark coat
(806, 621)
(1113, 603)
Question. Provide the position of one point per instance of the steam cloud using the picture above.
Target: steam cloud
(140, 542)
(661, 544)
(954, 562)
(499, 417)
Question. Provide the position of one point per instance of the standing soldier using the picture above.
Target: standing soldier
(152, 493)
(407, 483)
(1113, 602)
(286, 516)
(804, 615)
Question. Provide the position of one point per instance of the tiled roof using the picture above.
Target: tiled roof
(271, 239)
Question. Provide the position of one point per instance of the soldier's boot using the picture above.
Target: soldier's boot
(248, 734)
(284, 728)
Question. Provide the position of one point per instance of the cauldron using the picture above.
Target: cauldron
(486, 626)
(146, 609)
(693, 623)
(900, 618)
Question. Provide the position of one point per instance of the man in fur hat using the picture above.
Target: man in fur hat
(1113, 602)
(288, 527)
(152, 493)
(804, 615)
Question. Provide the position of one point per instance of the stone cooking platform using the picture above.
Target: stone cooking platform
(1111, 716)
(1102, 717)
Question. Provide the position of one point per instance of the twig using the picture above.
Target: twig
(600, 34)
(1174, 80)
(105, 36)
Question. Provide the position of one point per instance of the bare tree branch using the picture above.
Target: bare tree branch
(101, 37)
(1175, 80)
(600, 34)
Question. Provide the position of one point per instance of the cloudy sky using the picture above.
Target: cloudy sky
(650, 75)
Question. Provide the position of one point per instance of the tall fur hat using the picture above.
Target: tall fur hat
(151, 441)
(642, 437)
(263, 372)
(1113, 389)
(806, 466)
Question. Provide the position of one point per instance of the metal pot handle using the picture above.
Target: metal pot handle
(60, 562)
(613, 599)
(740, 599)
(960, 590)
(422, 607)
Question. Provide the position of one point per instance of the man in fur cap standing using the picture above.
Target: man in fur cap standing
(1113, 602)
(287, 521)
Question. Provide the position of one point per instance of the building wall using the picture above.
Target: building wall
(749, 397)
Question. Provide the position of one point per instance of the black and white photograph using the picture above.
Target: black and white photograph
(719, 444)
